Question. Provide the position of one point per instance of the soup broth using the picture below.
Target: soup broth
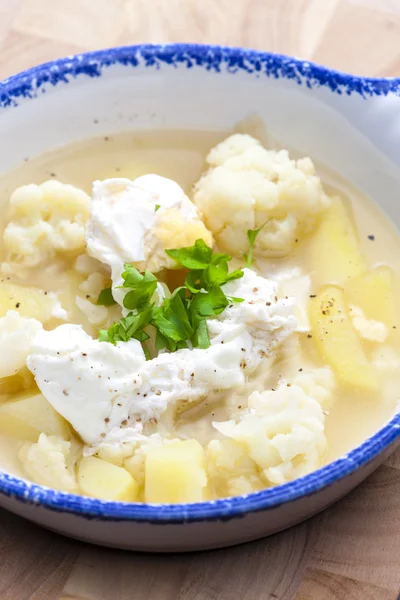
(353, 414)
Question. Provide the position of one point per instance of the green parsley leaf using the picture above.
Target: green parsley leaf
(208, 304)
(194, 257)
(238, 274)
(193, 281)
(142, 287)
(157, 207)
(106, 298)
(252, 236)
(201, 338)
(172, 318)
(128, 327)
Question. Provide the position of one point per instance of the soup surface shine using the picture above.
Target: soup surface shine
(350, 328)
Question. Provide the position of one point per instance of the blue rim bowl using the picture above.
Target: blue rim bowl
(27, 85)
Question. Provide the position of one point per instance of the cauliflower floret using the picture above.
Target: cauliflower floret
(317, 383)
(230, 469)
(16, 337)
(45, 220)
(97, 315)
(369, 329)
(248, 186)
(51, 462)
(283, 432)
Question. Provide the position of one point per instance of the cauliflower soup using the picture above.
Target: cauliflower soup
(187, 316)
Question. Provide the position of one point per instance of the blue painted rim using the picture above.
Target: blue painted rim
(29, 84)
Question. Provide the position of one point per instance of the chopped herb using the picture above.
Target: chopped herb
(252, 236)
(157, 207)
(105, 297)
(180, 320)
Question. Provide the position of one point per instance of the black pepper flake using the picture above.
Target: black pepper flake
(158, 393)
(106, 420)
(106, 138)
(144, 395)
(288, 385)
(313, 295)
(18, 305)
(394, 327)
(309, 335)
(240, 406)
(95, 121)
(84, 354)
(87, 296)
(102, 435)
(65, 392)
(52, 174)
(272, 389)
(268, 303)
(119, 404)
(243, 349)
(45, 293)
(371, 237)
(191, 374)
(300, 370)
(124, 422)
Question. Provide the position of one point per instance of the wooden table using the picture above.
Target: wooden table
(352, 550)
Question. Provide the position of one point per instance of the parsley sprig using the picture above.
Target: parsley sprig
(252, 236)
(181, 320)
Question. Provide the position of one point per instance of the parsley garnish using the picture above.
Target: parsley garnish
(180, 321)
(157, 206)
(252, 236)
(106, 298)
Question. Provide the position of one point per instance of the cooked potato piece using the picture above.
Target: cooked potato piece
(101, 479)
(175, 473)
(27, 301)
(337, 340)
(22, 380)
(334, 250)
(29, 416)
(375, 293)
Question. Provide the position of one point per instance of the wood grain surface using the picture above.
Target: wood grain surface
(352, 550)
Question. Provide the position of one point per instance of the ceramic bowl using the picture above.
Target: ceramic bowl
(350, 123)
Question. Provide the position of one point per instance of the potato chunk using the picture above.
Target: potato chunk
(29, 416)
(337, 340)
(375, 293)
(175, 473)
(22, 380)
(27, 301)
(101, 479)
(335, 255)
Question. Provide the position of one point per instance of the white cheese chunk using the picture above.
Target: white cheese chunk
(100, 388)
(135, 221)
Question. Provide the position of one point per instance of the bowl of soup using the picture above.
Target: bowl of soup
(199, 283)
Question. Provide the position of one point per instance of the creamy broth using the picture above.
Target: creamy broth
(353, 416)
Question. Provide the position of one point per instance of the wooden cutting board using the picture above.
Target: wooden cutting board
(352, 550)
